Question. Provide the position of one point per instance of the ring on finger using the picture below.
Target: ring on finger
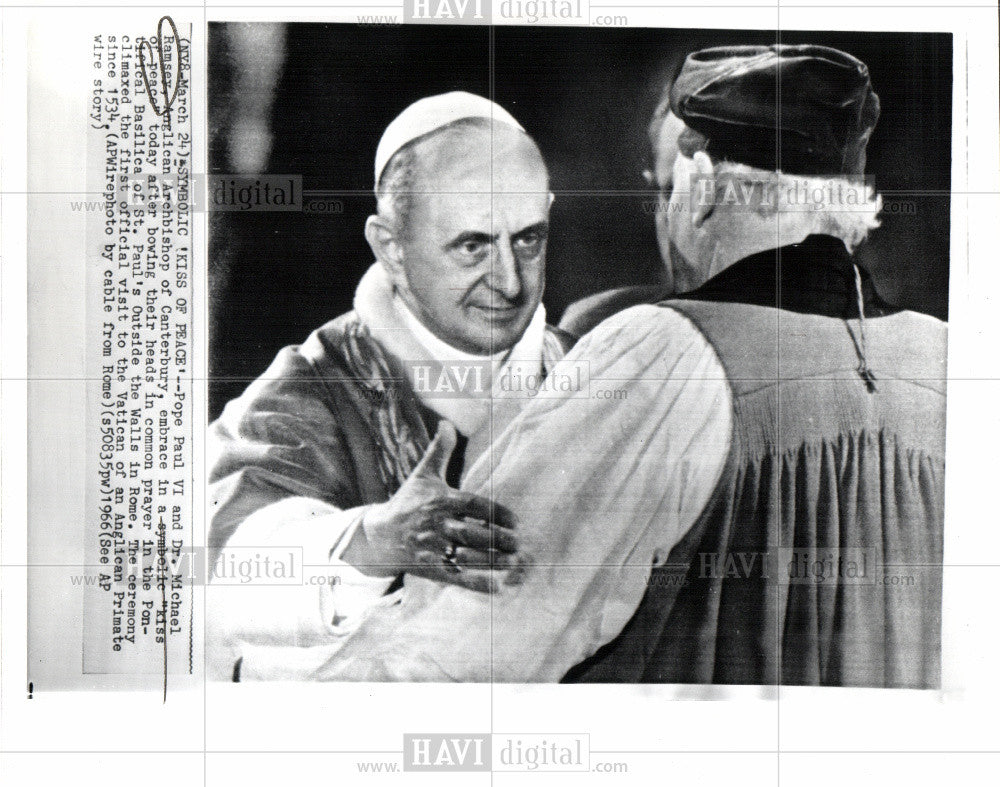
(448, 557)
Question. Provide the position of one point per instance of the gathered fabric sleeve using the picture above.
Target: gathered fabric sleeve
(280, 439)
(603, 485)
(282, 489)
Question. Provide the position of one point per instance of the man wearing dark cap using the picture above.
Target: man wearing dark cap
(761, 501)
(725, 102)
(837, 397)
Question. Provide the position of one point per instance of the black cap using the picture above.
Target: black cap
(806, 110)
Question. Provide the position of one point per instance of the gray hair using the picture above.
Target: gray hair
(846, 208)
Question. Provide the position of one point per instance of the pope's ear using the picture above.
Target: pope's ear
(384, 242)
(703, 172)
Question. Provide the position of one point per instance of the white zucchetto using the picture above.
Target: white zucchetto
(431, 113)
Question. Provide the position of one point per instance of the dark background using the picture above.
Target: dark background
(585, 95)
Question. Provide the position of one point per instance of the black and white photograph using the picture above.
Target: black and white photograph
(498, 391)
(627, 364)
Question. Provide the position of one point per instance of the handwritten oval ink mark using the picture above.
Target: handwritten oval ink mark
(144, 45)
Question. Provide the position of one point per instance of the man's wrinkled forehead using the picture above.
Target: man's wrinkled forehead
(481, 211)
(478, 179)
(446, 216)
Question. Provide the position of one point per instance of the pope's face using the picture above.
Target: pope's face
(474, 250)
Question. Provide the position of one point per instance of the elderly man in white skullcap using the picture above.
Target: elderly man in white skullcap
(323, 452)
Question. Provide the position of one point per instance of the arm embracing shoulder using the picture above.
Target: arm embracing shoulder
(603, 480)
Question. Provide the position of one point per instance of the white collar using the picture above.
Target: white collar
(403, 336)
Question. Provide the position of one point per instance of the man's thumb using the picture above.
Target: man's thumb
(435, 461)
